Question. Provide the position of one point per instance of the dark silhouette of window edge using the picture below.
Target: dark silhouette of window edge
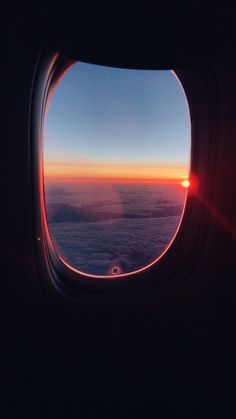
(65, 285)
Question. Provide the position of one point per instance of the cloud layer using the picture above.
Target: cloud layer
(101, 229)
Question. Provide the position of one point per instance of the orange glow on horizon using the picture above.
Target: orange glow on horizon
(104, 171)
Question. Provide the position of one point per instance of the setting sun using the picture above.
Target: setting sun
(185, 183)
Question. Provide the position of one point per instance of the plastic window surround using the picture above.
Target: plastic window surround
(179, 259)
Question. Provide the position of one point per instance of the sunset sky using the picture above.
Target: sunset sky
(107, 123)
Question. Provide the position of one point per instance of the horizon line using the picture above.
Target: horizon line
(71, 179)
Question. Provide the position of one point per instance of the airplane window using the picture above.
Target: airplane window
(116, 166)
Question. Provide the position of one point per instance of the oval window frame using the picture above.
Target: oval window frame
(60, 281)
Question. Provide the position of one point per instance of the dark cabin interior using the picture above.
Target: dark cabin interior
(166, 349)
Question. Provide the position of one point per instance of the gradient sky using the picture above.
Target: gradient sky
(118, 123)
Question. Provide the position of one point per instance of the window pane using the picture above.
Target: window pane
(116, 151)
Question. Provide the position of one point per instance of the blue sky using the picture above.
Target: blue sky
(107, 114)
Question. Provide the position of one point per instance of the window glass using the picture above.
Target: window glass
(116, 155)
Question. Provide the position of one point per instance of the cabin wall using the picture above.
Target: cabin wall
(176, 365)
